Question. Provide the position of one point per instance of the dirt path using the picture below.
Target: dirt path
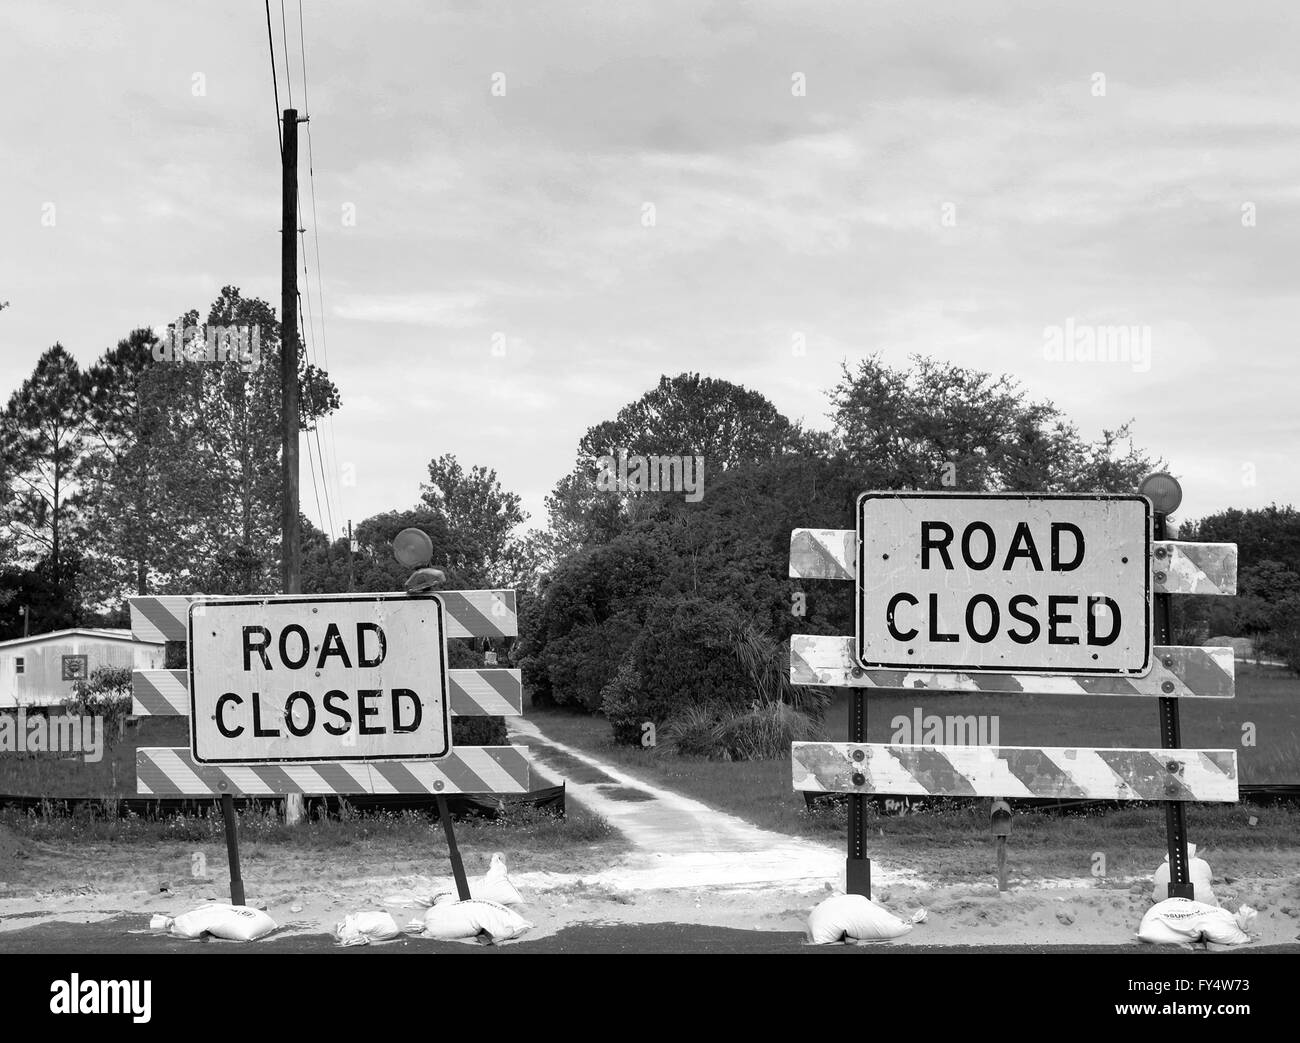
(678, 841)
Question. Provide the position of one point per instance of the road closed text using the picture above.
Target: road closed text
(328, 681)
(1040, 584)
(1062, 619)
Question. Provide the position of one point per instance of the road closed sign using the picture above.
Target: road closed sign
(329, 678)
(977, 583)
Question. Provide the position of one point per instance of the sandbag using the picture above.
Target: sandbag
(1180, 920)
(453, 921)
(1198, 871)
(856, 918)
(493, 886)
(364, 928)
(236, 923)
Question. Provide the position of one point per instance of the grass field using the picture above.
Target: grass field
(1132, 838)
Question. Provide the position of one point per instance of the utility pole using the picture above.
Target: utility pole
(290, 550)
(349, 555)
(290, 565)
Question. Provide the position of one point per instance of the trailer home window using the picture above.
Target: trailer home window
(19, 666)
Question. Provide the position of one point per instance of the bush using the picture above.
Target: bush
(106, 694)
(766, 732)
(763, 732)
(696, 732)
(619, 702)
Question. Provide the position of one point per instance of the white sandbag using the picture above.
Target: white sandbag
(856, 918)
(493, 886)
(1198, 871)
(236, 923)
(364, 928)
(1179, 921)
(451, 921)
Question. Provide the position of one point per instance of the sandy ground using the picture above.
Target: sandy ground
(688, 864)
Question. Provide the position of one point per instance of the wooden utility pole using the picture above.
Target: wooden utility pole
(290, 550)
(290, 565)
(349, 555)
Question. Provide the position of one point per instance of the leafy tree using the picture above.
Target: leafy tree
(128, 525)
(480, 518)
(938, 425)
(42, 441)
(686, 415)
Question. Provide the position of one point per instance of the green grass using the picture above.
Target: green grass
(760, 792)
(533, 828)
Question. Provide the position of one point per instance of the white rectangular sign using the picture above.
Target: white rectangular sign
(1005, 582)
(323, 678)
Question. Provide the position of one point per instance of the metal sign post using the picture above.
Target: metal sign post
(1166, 494)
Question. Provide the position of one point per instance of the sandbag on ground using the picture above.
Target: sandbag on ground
(493, 886)
(364, 928)
(856, 918)
(459, 921)
(1180, 920)
(236, 923)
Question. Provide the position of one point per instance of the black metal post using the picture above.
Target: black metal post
(1171, 738)
(457, 866)
(232, 849)
(857, 867)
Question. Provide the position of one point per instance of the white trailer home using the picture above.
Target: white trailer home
(40, 670)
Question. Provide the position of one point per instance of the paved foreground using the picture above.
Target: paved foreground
(130, 934)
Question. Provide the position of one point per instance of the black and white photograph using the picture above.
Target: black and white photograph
(690, 477)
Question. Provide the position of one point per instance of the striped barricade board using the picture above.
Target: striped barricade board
(489, 691)
(1015, 771)
(467, 769)
(470, 613)
(1179, 672)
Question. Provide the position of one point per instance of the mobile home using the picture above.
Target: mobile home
(40, 670)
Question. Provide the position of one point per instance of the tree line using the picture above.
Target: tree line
(145, 477)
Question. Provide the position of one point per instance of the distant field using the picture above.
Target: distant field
(1268, 697)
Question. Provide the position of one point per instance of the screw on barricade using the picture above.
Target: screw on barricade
(1165, 495)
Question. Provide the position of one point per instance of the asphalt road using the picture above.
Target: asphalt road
(114, 936)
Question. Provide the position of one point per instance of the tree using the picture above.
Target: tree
(42, 441)
(480, 519)
(938, 425)
(687, 415)
(701, 416)
(128, 526)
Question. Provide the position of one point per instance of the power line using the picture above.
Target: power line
(275, 80)
(320, 287)
(284, 36)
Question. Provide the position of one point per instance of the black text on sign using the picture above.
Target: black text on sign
(1004, 583)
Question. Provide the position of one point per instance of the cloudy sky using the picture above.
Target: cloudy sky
(527, 212)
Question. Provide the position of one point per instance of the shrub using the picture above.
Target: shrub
(619, 702)
(766, 731)
(107, 694)
(695, 731)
